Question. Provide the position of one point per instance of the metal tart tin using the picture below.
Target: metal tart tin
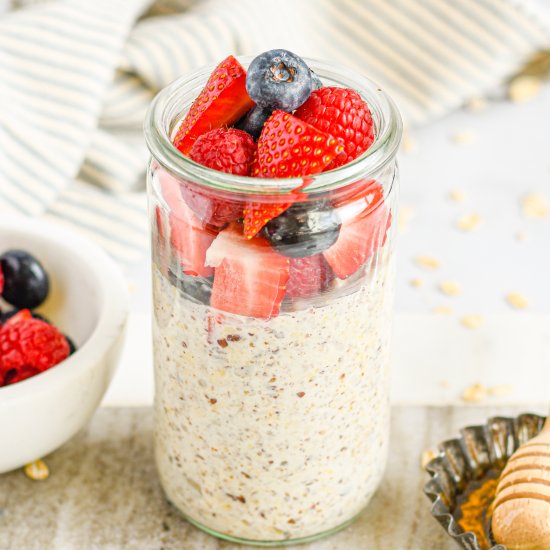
(469, 458)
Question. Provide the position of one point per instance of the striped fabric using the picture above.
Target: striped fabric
(76, 78)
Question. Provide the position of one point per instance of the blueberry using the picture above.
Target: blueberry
(72, 346)
(279, 79)
(196, 289)
(254, 120)
(316, 81)
(304, 229)
(26, 284)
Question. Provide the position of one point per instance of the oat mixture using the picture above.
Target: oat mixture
(274, 429)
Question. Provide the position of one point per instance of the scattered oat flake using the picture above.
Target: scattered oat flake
(444, 384)
(442, 310)
(427, 457)
(477, 104)
(457, 195)
(472, 321)
(535, 205)
(523, 88)
(408, 145)
(37, 470)
(468, 222)
(475, 393)
(464, 138)
(406, 214)
(427, 261)
(500, 390)
(451, 288)
(517, 300)
(417, 283)
(521, 236)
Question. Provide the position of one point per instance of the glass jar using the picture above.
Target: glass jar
(272, 425)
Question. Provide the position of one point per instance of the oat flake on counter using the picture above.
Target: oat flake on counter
(535, 205)
(472, 321)
(428, 262)
(450, 288)
(517, 300)
(468, 222)
(37, 470)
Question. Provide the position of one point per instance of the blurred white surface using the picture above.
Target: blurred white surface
(435, 357)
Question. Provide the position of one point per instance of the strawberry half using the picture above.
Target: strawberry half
(250, 278)
(188, 238)
(222, 102)
(359, 236)
(287, 148)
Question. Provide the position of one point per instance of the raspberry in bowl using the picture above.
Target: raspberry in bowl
(272, 254)
(64, 307)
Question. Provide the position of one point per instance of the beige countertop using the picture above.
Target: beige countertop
(103, 491)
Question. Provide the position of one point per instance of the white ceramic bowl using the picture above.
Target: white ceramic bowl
(88, 301)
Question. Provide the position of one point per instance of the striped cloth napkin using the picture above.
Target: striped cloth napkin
(76, 78)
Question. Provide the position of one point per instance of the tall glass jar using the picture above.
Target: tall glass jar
(271, 426)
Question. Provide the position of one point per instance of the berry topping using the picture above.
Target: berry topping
(21, 315)
(279, 79)
(346, 115)
(315, 80)
(222, 102)
(189, 239)
(359, 237)
(26, 284)
(308, 276)
(288, 147)
(250, 278)
(304, 229)
(225, 149)
(254, 120)
(27, 347)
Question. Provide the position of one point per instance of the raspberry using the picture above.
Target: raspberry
(308, 276)
(28, 347)
(225, 149)
(343, 113)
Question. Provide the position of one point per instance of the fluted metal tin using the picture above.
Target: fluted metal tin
(468, 458)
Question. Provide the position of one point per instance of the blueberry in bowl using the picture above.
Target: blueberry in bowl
(54, 390)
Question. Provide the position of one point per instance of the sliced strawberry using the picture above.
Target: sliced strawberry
(189, 239)
(308, 276)
(222, 102)
(257, 214)
(287, 148)
(370, 190)
(250, 278)
(359, 236)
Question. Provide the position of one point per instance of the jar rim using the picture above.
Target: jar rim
(160, 119)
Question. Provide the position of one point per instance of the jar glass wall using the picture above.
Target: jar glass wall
(271, 423)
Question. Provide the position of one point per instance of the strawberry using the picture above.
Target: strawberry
(250, 277)
(308, 276)
(257, 214)
(344, 113)
(222, 102)
(370, 190)
(359, 236)
(287, 148)
(189, 239)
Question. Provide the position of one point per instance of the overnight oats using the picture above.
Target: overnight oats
(272, 194)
